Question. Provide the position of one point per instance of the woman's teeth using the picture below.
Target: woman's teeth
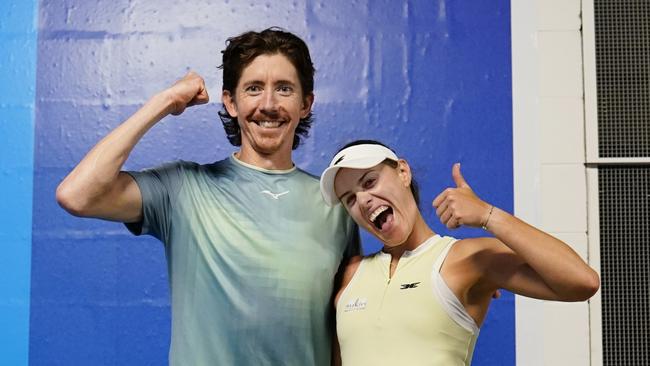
(377, 212)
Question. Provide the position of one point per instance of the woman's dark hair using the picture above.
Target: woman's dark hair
(243, 49)
(392, 163)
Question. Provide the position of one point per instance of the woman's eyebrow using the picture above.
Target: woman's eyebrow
(358, 182)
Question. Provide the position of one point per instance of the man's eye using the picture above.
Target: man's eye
(253, 89)
(285, 90)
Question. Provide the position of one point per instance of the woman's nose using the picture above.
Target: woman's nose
(364, 198)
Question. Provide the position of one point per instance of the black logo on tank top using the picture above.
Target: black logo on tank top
(406, 286)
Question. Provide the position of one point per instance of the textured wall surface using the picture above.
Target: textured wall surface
(431, 79)
(17, 89)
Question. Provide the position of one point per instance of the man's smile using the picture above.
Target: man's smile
(268, 124)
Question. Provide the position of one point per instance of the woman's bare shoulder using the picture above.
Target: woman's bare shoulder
(348, 274)
(471, 247)
(351, 269)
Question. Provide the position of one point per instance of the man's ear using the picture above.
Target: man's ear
(307, 103)
(404, 172)
(229, 103)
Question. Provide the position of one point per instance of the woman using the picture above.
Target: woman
(422, 298)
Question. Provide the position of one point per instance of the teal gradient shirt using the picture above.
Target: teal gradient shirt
(251, 256)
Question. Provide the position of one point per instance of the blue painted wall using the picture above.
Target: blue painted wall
(430, 79)
(17, 80)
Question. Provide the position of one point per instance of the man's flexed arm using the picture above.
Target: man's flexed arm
(96, 187)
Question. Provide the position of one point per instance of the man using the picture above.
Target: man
(251, 248)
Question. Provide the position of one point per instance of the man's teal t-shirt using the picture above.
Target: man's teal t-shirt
(251, 258)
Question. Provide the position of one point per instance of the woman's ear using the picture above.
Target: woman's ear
(404, 172)
(229, 103)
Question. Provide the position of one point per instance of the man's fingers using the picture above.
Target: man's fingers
(458, 177)
(199, 93)
(178, 112)
(188, 91)
(201, 98)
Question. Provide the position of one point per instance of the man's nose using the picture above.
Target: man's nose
(269, 102)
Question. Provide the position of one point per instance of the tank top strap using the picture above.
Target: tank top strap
(444, 294)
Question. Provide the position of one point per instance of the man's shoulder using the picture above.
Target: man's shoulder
(191, 166)
(172, 165)
(179, 171)
(307, 174)
(306, 180)
(306, 177)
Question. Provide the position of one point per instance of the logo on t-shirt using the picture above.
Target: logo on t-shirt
(406, 286)
(275, 196)
(356, 305)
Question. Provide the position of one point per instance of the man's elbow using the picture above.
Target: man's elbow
(71, 200)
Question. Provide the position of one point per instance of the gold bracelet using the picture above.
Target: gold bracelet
(484, 226)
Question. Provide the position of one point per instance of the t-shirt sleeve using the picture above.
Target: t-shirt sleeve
(159, 187)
